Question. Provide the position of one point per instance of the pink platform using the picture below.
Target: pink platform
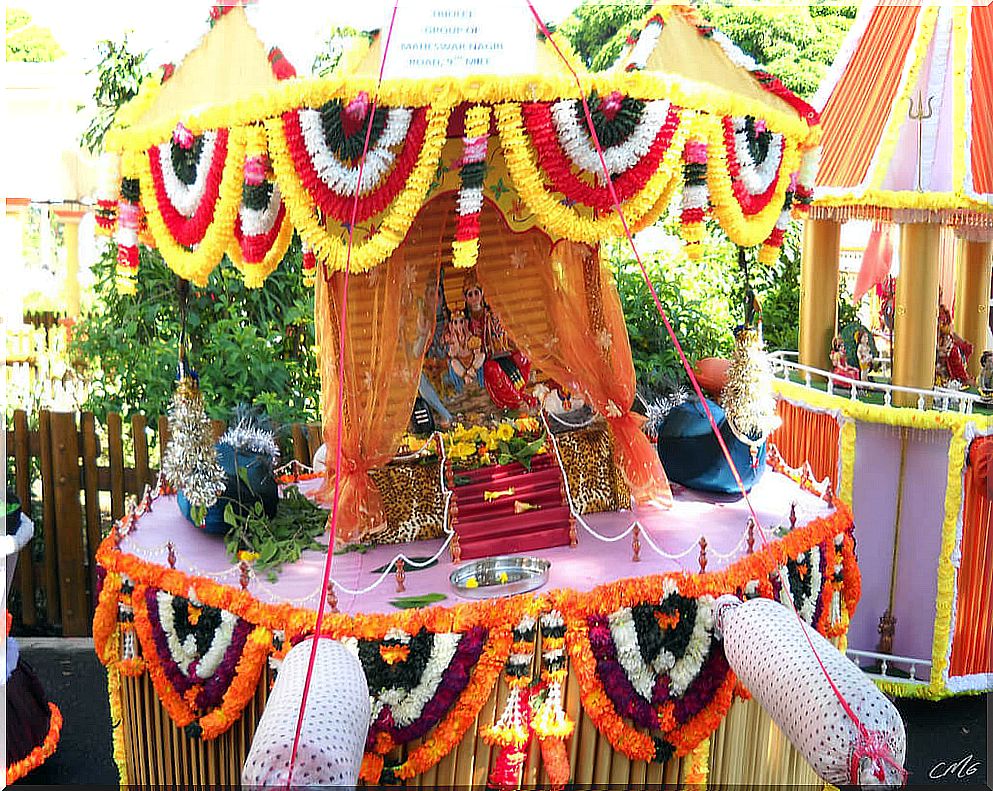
(676, 532)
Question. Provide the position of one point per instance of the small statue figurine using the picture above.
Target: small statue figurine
(839, 360)
(953, 353)
(985, 379)
(864, 353)
(465, 354)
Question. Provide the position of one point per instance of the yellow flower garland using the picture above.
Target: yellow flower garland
(197, 265)
(255, 274)
(699, 769)
(847, 436)
(450, 92)
(746, 231)
(394, 222)
(477, 124)
(565, 221)
(960, 41)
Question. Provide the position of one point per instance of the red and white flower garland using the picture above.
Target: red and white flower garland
(753, 182)
(189, 209)
(469, 204)
(557, 165)
(696, 196)
(645, 44)
(575, 140)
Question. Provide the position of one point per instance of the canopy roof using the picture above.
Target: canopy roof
(908, 113)
(682, 108)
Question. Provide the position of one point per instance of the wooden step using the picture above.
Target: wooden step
(530, 541)
(505, 525)
(523, 485)
(547, 498)
(496, 472)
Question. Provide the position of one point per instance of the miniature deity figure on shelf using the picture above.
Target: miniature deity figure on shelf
(839, 360)
(864, 353)
(985, 379)
(953, 353)
(506, 370)
(465, 354)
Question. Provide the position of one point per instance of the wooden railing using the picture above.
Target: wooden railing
(72, 476)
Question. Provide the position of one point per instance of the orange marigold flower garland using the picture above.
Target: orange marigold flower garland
(105, 618)
(550, 722)
(39, 754)
(242, 687)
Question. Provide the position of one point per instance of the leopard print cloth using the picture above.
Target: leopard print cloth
(595, 482)
(412, 500)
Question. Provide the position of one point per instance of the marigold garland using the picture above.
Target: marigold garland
(41, 753)
(196, 265)
(105, 619)
(243, 686)
(330, 247)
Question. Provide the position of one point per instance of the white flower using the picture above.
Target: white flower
(757, 176)
(645, 45)
(574, 137)
(407, 706)
(185, 198)
(258, 222)
(687, 667)
(629, 653)
(341, 178)
(470, 201)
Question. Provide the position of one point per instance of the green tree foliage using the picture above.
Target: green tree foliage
(597, 30)
(338, 40)
(119, 73)
(796, 43)
(27, 42)
(248, 345)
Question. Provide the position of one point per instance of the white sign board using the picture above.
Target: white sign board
(440, 38)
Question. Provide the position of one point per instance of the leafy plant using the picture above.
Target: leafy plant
(119, 73)
(416, 602)
(519, 449)
(283, 539)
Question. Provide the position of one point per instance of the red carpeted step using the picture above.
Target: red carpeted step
(521, 484)
(496, 472)
(546, 497)
(540, 538)
(505, 525)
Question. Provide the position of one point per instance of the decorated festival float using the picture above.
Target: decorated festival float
(516, 593)
(907, 127)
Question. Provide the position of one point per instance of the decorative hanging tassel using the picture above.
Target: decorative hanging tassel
(190, 462)
(550, 723)
(696, 196)
(128, 226)
(465, 248)
(748, 398)
(804, 195)
(512, 731)
(309, 265)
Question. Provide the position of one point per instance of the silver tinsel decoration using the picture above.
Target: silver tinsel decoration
(190, 462)
(657, 411)
(247, 435)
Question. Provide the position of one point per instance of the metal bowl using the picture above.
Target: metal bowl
(499, 576)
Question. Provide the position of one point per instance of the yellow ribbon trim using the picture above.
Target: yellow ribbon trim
(960, 41)
(568, 222)
(895, 199)
(196, 265)
(847, 438)
(395, 221)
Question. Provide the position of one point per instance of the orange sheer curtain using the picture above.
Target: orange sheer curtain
(972, 645)
(391, 313)
(562, 309)
(808, 436)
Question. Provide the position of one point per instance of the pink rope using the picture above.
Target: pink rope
(869, 744)
(339, 418)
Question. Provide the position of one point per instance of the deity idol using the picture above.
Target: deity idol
(839, 360)
(953, 352)
(985, 379)
(864, 353)
(465, 354)
(506, 370)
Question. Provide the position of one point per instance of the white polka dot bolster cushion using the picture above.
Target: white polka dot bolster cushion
(767, 650)
(335, 723)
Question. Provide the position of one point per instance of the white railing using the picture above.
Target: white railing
(886, 661)
(944, 400)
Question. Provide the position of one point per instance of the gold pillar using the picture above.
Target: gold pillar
(819, 291)
(916, 321)
(973, 269)
(70, 233)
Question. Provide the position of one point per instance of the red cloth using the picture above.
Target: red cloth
(876, 260)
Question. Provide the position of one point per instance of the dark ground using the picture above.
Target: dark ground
(947, 741)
